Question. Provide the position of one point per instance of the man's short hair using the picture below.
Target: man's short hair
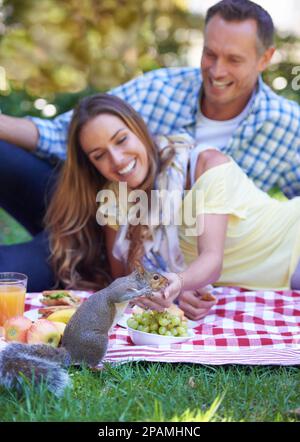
(240, 10)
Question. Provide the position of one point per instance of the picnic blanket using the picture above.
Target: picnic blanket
(244, 327)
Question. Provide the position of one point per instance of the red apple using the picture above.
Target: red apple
(43, 332)
(16, 328)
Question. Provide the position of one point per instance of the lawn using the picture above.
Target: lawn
(162, 393)
(157, 392)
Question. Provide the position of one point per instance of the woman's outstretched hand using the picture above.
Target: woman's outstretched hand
(193, 302)
(175, 287)
(163, 299)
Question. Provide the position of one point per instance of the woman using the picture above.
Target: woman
(249, 239)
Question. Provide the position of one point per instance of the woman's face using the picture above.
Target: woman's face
(116, 152)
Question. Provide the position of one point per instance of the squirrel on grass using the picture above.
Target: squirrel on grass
(85, 338)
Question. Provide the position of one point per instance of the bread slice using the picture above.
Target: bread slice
(60, 297)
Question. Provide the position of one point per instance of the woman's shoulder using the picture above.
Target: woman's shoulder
(209, 159)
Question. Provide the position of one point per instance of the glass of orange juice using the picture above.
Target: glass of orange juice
(12, 295)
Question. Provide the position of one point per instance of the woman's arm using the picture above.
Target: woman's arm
(204, 270)
(207, 267)
(116, 267)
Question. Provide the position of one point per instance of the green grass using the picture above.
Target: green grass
(162, 393)
(157, 392)
(10, 231)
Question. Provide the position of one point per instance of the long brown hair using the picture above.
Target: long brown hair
(76, 240)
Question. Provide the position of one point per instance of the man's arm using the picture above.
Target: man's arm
(146, 94)
(49, 136)
(19, 131)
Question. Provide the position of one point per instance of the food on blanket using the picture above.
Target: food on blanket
(45, 312)
(15, 329)
(43, 332)
(162, 323)
(85, 339)
(62, 315)
(207, 296)
(60, 297)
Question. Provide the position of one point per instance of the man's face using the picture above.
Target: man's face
(230, 62)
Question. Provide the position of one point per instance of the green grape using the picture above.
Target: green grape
(162, 330)
(182, 331)
(132, 323)
(138, 317)
(145, 320)
(163, 321)
(175, 320)
(146, 314)
(154, 326)
(174, 331)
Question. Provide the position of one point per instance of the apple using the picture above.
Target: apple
(16, 328)
(43, 332)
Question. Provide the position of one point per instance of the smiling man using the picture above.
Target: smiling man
(233, 57)
(225, 105)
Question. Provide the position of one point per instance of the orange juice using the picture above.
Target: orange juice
(12, 301)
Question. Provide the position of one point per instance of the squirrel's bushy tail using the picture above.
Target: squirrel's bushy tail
(39, 363)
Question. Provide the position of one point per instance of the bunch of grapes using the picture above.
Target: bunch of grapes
(161, 323)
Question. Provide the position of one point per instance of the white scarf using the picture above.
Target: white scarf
(163, 251)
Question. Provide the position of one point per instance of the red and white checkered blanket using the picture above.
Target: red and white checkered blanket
(250, 328)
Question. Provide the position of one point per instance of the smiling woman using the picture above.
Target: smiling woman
(115, 150)
(108, 142)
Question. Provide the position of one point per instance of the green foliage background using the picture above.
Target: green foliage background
(61, 50)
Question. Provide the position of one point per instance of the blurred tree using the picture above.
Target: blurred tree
(62, 49)
(52, 46)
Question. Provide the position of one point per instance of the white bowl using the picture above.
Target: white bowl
(142, 338)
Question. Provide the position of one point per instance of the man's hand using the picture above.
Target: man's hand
(193, 306)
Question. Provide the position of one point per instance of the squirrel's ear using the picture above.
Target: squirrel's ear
(139, 267)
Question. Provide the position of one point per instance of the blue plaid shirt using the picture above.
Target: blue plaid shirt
(266, 145)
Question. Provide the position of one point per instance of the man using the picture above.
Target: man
(225, 104)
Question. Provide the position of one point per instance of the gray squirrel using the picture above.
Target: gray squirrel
(85, 338)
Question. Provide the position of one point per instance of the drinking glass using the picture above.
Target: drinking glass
(12, 295)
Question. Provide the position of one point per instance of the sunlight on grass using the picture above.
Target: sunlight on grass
(188, 415)
(199, 416)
